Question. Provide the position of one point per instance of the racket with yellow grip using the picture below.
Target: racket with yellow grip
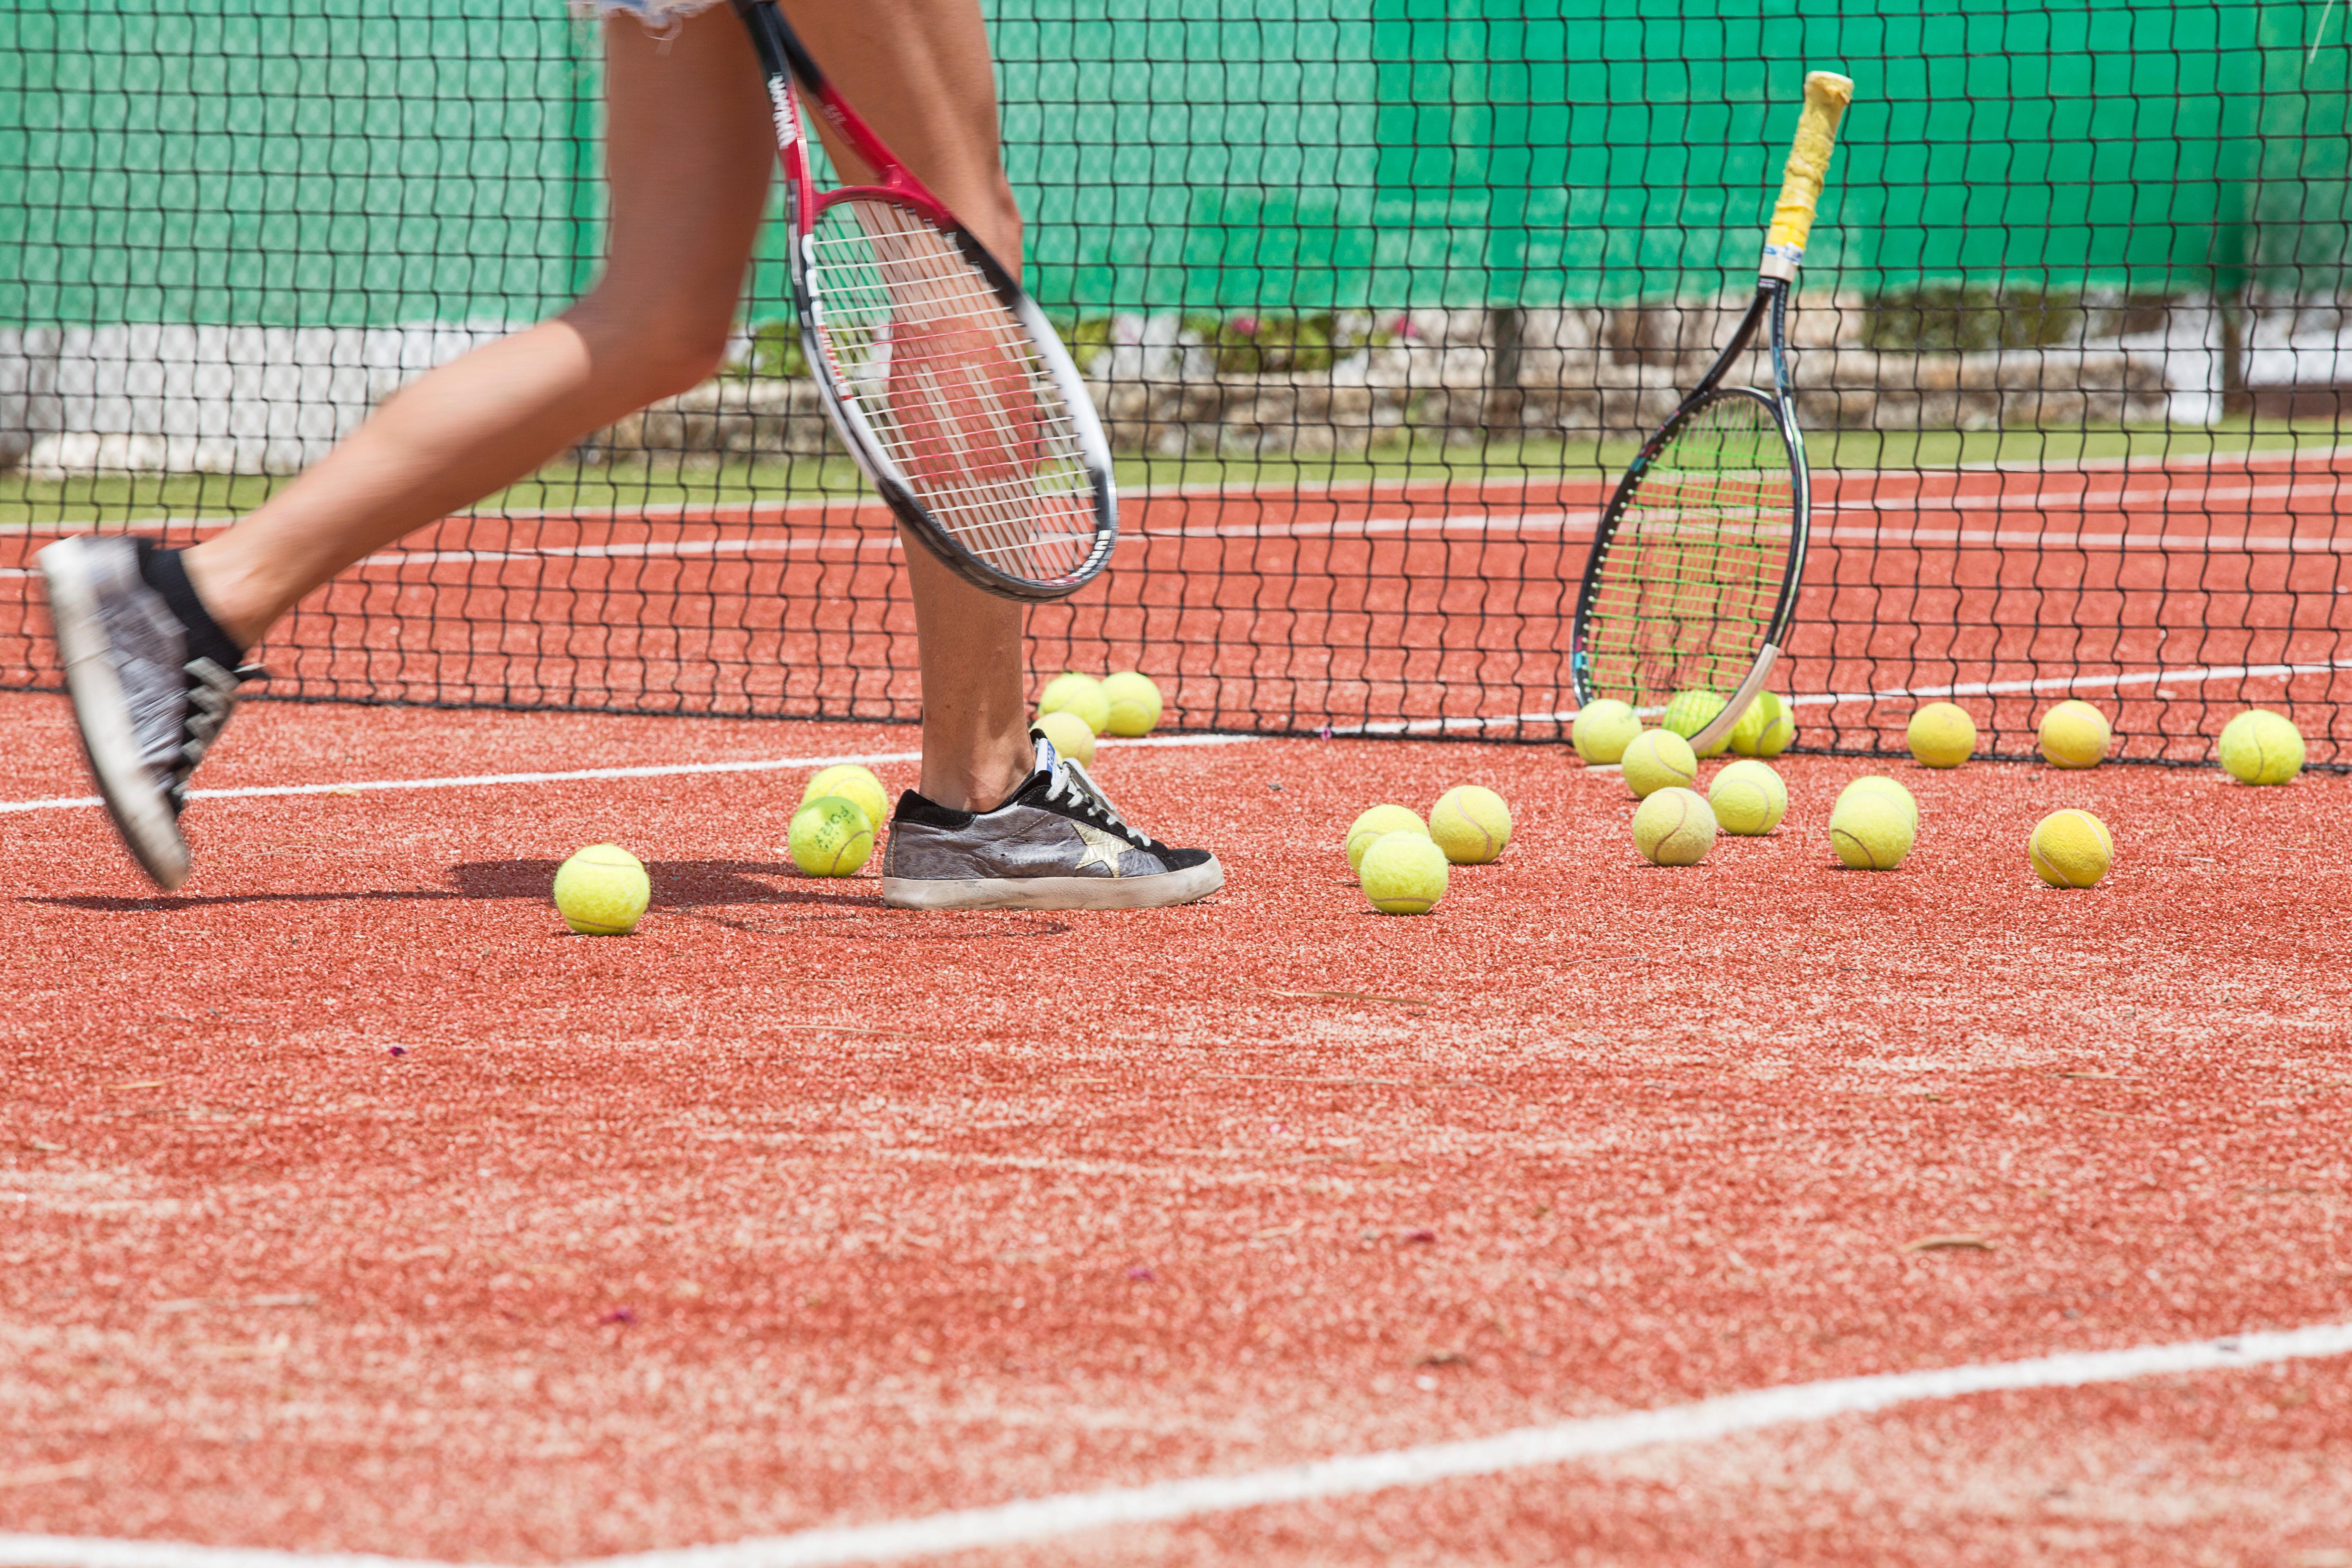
(1692, 582)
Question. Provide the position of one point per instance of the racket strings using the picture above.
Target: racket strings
(960, 396)
(1693, 570)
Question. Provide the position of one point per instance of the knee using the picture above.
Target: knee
(647, 351)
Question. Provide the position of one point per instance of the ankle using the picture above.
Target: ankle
(221, 592)
(978, 778)
(167, 572)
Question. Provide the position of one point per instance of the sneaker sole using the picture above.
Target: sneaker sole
(1056, 892)
(149, 829)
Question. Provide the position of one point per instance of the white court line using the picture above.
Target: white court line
(2199, 463)
(2068, 682)
(2189, 677)
(576, 775)
(1485, 522)
(1352, 1475)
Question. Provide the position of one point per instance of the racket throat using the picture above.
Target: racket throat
(1719, 729)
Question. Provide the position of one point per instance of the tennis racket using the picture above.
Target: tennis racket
(939, 374)
(1693, 577)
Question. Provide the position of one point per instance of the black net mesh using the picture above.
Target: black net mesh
(1374, 307)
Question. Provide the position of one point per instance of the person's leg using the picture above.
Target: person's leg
(688, 162)
(919, 73)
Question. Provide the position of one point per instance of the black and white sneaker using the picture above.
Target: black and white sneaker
(1058, 844)
(147, 709)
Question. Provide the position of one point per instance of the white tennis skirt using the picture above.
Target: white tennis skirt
(654, 14)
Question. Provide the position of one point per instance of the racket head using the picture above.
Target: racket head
(1693, 575)
(954, 394)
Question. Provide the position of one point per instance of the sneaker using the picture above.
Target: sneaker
(1058, 844)
(148, 712)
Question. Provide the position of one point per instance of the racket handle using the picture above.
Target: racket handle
(1826, 96)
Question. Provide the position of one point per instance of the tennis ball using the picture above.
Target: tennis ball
(1673, 827)
(1748, 798)
(603, 891)
(830, 836)
(1471, 825)
(1070, 734)
(1134, 703)
(1379, 820)
(2070, 850)
(850, 782)
(1941, 735)
(1871, 831)
(1656, 760)
(1404, 873)
(1767, 718)
(1079, 694)
(1881, 784)
(1602, 729)
(1688, 712)
(2259, 747)
(2075, 735)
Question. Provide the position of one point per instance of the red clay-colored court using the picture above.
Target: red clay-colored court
(350, 1206)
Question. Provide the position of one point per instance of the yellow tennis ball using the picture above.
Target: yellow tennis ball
(1134, 703)
(1376, 823)
(1941, 735)
(2259, 747)
(2075, 735)
(1892, 789)
(1404, 873)
(1079, 694)
(1871, 831)
(2070, 850)
(1602, 729)
(830, 836)
(603, 891)
(1748, 798)
(851, 782)
(1766, 729)
(1070, 734)
(1471, 825)
(1656, 760)
(1688, 712)
(1673, 827)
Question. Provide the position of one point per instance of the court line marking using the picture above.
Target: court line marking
(1570, 525)
(2194, 676)
(2254, 459)
(577, 775)
(1033, 1520)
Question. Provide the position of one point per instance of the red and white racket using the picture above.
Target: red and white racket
(940, 375)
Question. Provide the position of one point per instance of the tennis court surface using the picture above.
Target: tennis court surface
(353, 1206)
(354, 1214)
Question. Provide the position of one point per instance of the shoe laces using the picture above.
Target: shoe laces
(1071, 779)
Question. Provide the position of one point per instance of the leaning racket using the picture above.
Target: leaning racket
(1692, 581)
(939, 372)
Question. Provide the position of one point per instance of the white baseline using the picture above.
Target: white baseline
(573, 776)
(1527, 1448)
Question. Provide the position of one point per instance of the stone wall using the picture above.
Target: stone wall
(271, 400)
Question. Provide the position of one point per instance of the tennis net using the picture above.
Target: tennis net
(1374, 306)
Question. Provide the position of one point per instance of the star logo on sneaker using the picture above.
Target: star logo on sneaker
(1102, 849)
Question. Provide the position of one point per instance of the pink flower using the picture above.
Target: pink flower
(1245, 325)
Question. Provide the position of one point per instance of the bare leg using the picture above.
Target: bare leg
(918, 71)
(688, 160)
(688, 163)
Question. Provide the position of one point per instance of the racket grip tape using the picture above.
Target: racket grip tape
(1826, 96)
